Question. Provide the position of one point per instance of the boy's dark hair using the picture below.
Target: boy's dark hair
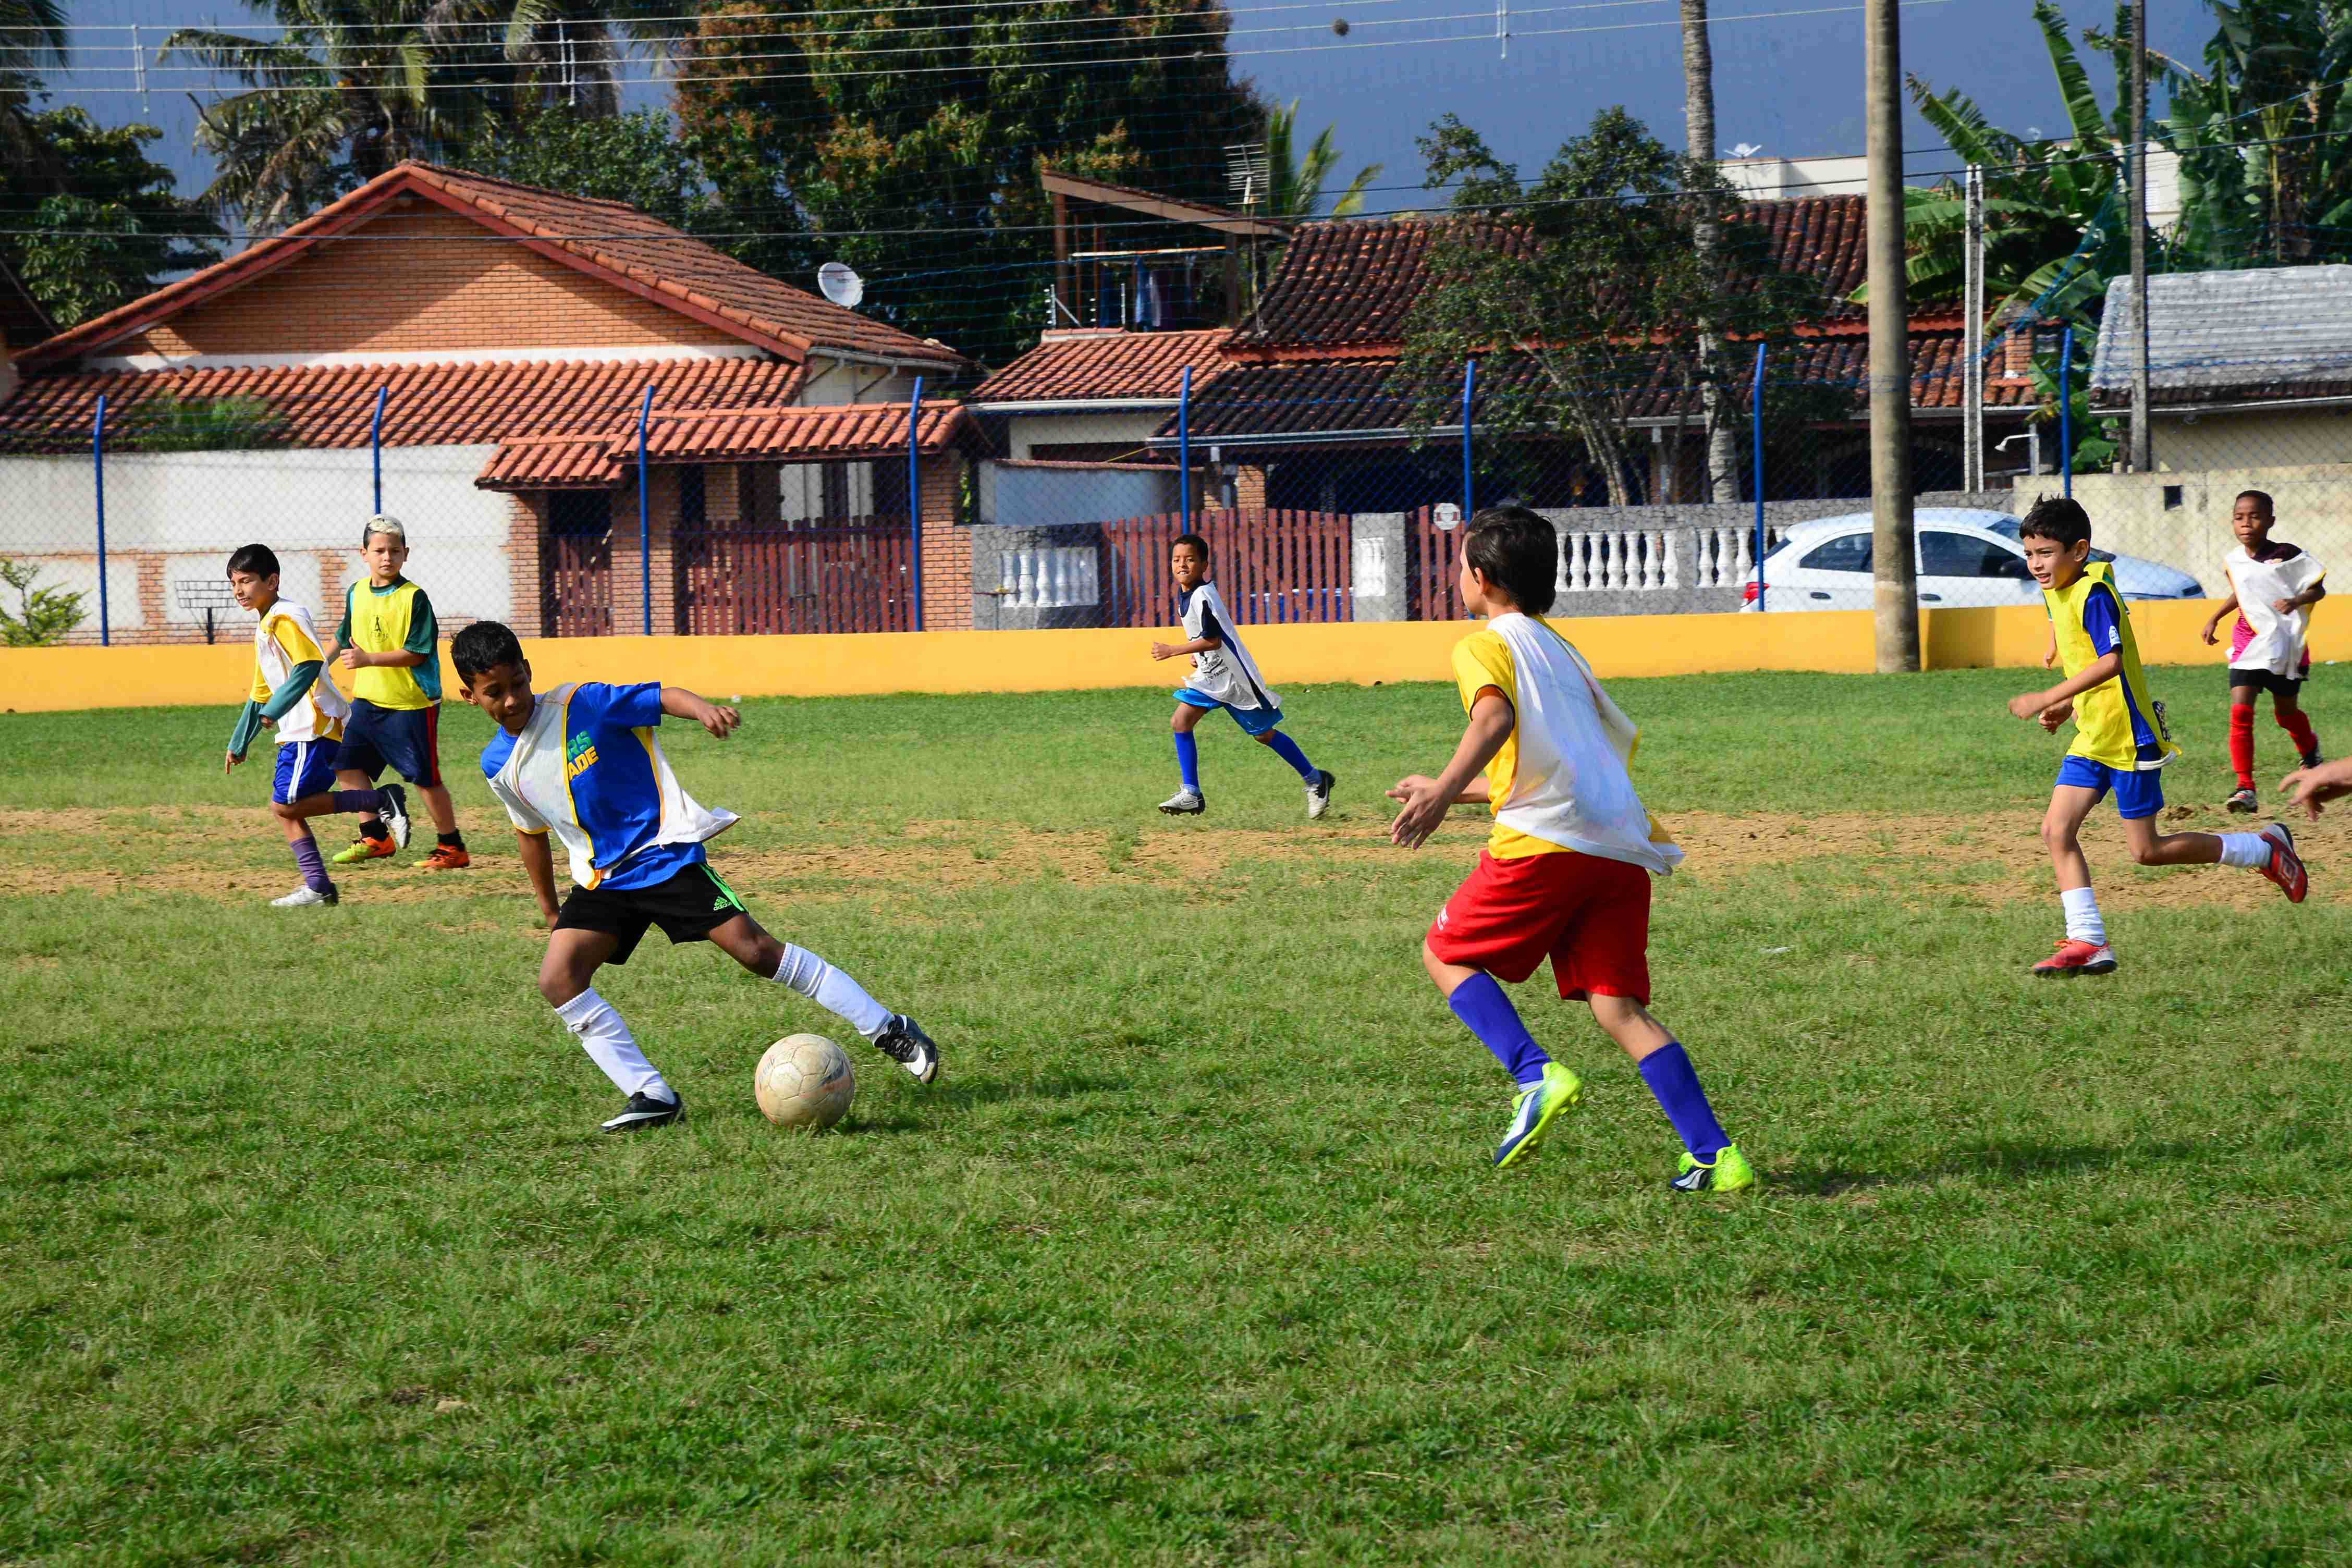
(255, 560)
(484, 645)
(1195, 541)
(1519, 553)
(2270, 508)
(2059, 517)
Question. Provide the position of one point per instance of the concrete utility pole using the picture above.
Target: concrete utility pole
(2142, 456)
(1894, 565)
(1698, 131)
(1972, 295)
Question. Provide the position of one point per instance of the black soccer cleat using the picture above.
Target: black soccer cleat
(644, 1110)
(903, 1041)
(1318, 794)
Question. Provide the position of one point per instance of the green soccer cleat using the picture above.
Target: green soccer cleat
(1727, 1173)
(1532, 1112)
(361, 849)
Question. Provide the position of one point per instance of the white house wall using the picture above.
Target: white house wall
(1028, 430)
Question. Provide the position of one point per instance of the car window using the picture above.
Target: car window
(1943, 553)
(1846, 553)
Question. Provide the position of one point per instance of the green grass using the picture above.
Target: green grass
(309, 1252)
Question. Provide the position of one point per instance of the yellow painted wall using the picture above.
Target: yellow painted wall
(1620, 646)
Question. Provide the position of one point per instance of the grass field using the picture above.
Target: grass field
(312, 1252)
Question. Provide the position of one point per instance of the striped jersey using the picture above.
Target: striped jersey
(283, 638)
(397, 619)
(586, 768)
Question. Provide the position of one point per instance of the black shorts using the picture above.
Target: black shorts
(405, 739)
(2278, 686)
(687, 908)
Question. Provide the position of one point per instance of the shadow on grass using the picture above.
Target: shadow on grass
(1996, 1162)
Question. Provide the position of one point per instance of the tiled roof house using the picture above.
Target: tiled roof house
(501, 339)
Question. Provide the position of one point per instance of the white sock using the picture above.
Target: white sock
(832, 990)
(610, 1045)
(2083, 921)
(2250, 851)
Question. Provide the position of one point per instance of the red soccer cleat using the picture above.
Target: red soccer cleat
(2074, 958)
(2285, 867)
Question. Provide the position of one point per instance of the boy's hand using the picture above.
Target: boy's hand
(2287, 606)
(2212, 631)
(2057, 713)
(232, 759)
(2029, 704)
(353, 660)
(719, 719)
(2050, 656)
(1424, 809)
(1163, 650)
(2311, 787)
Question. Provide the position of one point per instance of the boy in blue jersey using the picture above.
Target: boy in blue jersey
(581, 763)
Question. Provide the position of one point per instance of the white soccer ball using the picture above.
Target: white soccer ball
(804, 1082)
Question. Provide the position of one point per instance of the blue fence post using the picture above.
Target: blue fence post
(1184, 447)
(375, 447)
(2066, 409)
(644, 510)
(1469, 387)
(98, 473)
(1755, 466)
(915, 491)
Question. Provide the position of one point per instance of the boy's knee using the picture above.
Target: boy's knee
(1266, 738)
(2057, 833)
(284, 812)
(1182, 720)
(2149, 852)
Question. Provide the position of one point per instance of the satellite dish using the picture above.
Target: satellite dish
(839, 284)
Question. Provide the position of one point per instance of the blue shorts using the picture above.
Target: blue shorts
(2139, 792)
(304, 768)
(405, 739)
(1252, 720)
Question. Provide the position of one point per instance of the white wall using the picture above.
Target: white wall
(2183, 519)
(179, 514)
(1027, 430)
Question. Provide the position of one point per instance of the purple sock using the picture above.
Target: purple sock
(314, 869)
(1675, 1081)
(1283, 746)
(1480, 1004)
(365, 801)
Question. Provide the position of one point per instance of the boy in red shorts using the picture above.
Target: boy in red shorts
(1566, 871)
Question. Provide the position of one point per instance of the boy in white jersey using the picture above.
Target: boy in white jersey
(291, 691)
(1224, 676)
(581, 763)
(1566, 872)
(2272, 586)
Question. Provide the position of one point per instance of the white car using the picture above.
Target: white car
(1967, 557)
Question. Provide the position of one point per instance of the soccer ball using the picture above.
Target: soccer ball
(804, 1082)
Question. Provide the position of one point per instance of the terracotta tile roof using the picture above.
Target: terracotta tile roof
(611, 238)
(824, 433)
(427, 406)
(1345, 287)
(1323, 397)
(1105, 365)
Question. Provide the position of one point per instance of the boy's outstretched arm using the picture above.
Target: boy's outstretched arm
(2212, 627)
(2103, 668)
(716, 717)
(1179, 649)
(2311, 788)
(538, 858)
(1425, 799)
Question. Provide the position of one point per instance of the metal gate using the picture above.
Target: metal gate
(851, 574)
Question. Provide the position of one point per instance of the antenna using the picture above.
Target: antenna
(837, 282)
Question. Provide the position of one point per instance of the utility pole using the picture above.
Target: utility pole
(1698, 129)
(1972, 293)
(2142, 456)
(1894, 565)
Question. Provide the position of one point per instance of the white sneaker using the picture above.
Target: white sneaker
(304, 898)
(1185, 803)
(395, 815)
(1318, 795)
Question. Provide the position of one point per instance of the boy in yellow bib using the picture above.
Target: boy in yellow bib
(2120, 741)
(390, 642)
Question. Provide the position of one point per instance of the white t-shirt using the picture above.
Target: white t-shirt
(2277, 644)
(1226, 673)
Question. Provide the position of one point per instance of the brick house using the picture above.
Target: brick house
(501, 341)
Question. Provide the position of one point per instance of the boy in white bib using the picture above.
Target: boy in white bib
(2272, 586)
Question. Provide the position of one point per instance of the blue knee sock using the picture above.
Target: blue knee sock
(1675, 1081)
(1188, 760)
(1480, 1004)
(1283, 746)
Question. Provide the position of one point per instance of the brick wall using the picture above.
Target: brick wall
(1249, 489)
(455, 285)
(629, 560)
(526, 531)
(947, 545)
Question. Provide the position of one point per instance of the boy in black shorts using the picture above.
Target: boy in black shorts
(581, 763)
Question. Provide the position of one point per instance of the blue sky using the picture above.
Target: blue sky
(1788, 83)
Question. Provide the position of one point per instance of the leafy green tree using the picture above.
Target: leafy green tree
(1295, 181)
(103, 222)
(42, 617)
(202, 425)
(32, 38)
(1584, 289)
(631, 158)
(831, 130)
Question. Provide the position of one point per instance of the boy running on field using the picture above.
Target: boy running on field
(390, 640)
(1566, 871)
(2272, 586)
(1224, 676)
(2120, 741)
(291, 691)
(581, 762)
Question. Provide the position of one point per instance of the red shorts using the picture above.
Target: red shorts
(1589, 916)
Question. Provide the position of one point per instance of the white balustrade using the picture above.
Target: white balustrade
(1371, 566)
(1049, 577)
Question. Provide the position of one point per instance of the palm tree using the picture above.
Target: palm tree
(1698, 136)
(348, 89)
(1294, 185)
(569, 51)
(32, 37)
